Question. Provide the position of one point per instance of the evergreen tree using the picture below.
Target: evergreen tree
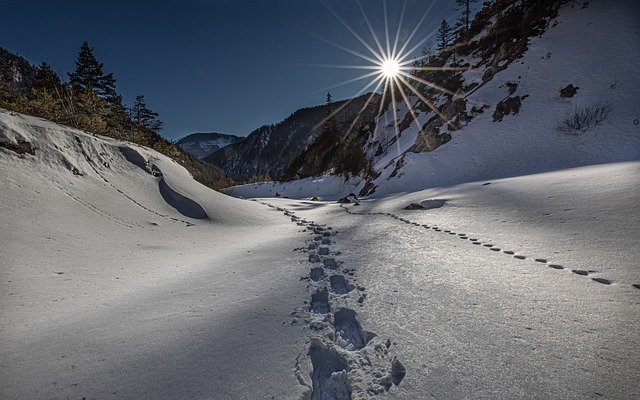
(89, 75)
(7, 97)
(444, 36)
(330, 126)
(464, 20)
(142, 116)
(47, 79)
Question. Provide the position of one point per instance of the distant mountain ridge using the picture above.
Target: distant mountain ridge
(203, 144)
(269, 149)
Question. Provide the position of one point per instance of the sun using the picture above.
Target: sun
(393, 61)
(390, 68)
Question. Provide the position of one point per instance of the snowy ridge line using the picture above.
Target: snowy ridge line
(493, 247)
(153, 170)
(343, 360)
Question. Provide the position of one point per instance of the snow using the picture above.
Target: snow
(109, 292)
(514, 276)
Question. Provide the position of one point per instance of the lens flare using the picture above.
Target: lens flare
(390, 68)
(391, 65)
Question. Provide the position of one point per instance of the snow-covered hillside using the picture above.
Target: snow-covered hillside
(124, 278)
(502, 265)
(605, 72)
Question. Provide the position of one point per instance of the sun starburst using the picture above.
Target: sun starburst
(390, 67)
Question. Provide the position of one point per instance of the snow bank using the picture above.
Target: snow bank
(114, 286)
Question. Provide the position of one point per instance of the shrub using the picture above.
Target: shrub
(584, 118)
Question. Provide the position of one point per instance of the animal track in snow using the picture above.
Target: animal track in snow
(323, 251)
(491, 246)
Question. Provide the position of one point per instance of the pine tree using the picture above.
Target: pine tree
(7, 97)
(330, 126)
(142, 116)
(464, 20)
(89, 75)
(46, 79)
(444, 36)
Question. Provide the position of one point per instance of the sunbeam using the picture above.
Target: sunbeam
(394, 69)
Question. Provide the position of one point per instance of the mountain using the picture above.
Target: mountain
(529, 99)
(203, 144)
(270, 148)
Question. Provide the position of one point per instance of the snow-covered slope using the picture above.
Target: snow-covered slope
(513, 275)
(524, 287)
(120, 284)
(605, 72)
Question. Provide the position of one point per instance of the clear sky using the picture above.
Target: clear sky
(226, 66)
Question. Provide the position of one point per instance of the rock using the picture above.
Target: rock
(568, 91)
(414, 206)
(510, 105)
(21, 147)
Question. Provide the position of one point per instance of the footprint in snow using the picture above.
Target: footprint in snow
(314, 258)
(317, 274)
(339, 285)
(398, 371)
(324, 251)
(520, 257)
(602, 280)
(319, 302)
(330, 263)
(556, 266)
(329, 376)
(348, 333)
(580, 272)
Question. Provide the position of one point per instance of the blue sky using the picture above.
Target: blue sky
(225, 66)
